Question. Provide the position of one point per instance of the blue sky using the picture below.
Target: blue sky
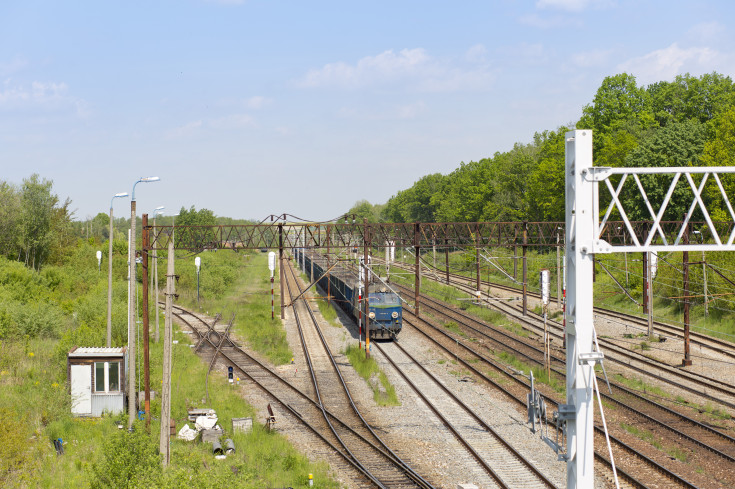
(254, 107)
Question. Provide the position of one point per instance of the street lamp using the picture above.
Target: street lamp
(109, 273)
(154, 276)
(131, 307)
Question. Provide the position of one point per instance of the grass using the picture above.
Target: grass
(638, 385)
(247, 296)
(35, 403)
(328, 312)
(384, 393)
(648, 437)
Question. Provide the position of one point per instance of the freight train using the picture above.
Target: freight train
(385, 313)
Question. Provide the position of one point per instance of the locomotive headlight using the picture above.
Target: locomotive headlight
(371, 315)
(394, 315)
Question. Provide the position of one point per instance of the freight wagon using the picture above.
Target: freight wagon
(385, 313)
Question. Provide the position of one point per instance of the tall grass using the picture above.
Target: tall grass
(384, 393)
(246, 295)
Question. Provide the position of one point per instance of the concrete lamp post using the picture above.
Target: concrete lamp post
(131, 306)
(109, 272)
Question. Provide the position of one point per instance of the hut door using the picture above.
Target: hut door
(81, 389)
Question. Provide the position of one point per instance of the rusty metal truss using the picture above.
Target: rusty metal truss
(441, 235)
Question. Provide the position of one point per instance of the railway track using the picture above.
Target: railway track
(634, 468)
(689, 433)
(313, 416)
(503, 466)
(714, 390)
(713, 344)
(380, 465)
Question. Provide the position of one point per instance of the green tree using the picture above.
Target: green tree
(9, 220)
(468, 190)
(509, 176)
(719, 150)
(364, 210)
(678, 144)
(37, 209)
(689, 97)
(545, 193)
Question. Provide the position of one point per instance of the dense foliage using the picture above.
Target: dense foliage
(688, 121)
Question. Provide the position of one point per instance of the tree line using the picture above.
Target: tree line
(689, 121)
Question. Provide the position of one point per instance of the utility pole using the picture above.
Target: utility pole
(366, 294)
(164, 444)
(687, 361)
(146, 323)
(649, 291)
(280, 267)
(558, 272)
(704, 277)
(417, 276)
(646, 278)
(132, 325)
(446, 257)
(477, 256)
(525, 268)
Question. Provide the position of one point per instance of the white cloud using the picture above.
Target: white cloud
(590, 59)
(40, 96)
(397, 112)
(571, 5)
(256, 102)
(476, 54)
(665, 64)
(552, 22)
(414, 68)
(706, 32)
(13, 66)
(225, 123)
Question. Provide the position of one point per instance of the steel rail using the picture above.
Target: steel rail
(467, 409)
(275, 397)
(719, 386)
(395, 460)
(522, 403)
(438, 307)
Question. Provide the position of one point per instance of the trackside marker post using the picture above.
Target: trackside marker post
(272, 268)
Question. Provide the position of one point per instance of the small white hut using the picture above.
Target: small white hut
(97, 380)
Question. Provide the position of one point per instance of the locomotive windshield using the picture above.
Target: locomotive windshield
(384, 299)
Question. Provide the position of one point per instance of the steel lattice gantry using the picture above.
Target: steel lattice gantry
(620, 233)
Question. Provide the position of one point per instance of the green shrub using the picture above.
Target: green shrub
(127, 460)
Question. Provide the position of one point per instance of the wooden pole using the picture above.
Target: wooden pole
(280, 267)
(146, 324)
(525, 268)
(645, 282)
(366, 294)
(649, 291)
(164, 444)
(558, 271)
(687, 361)
(446, 257)
(417, 276)
(477, 257)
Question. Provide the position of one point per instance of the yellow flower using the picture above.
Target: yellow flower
(54, 385)
(30, 354)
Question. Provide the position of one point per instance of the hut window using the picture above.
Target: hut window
(99, 376)
(107, 376)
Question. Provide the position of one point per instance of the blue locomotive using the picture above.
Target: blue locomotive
(385, 313)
